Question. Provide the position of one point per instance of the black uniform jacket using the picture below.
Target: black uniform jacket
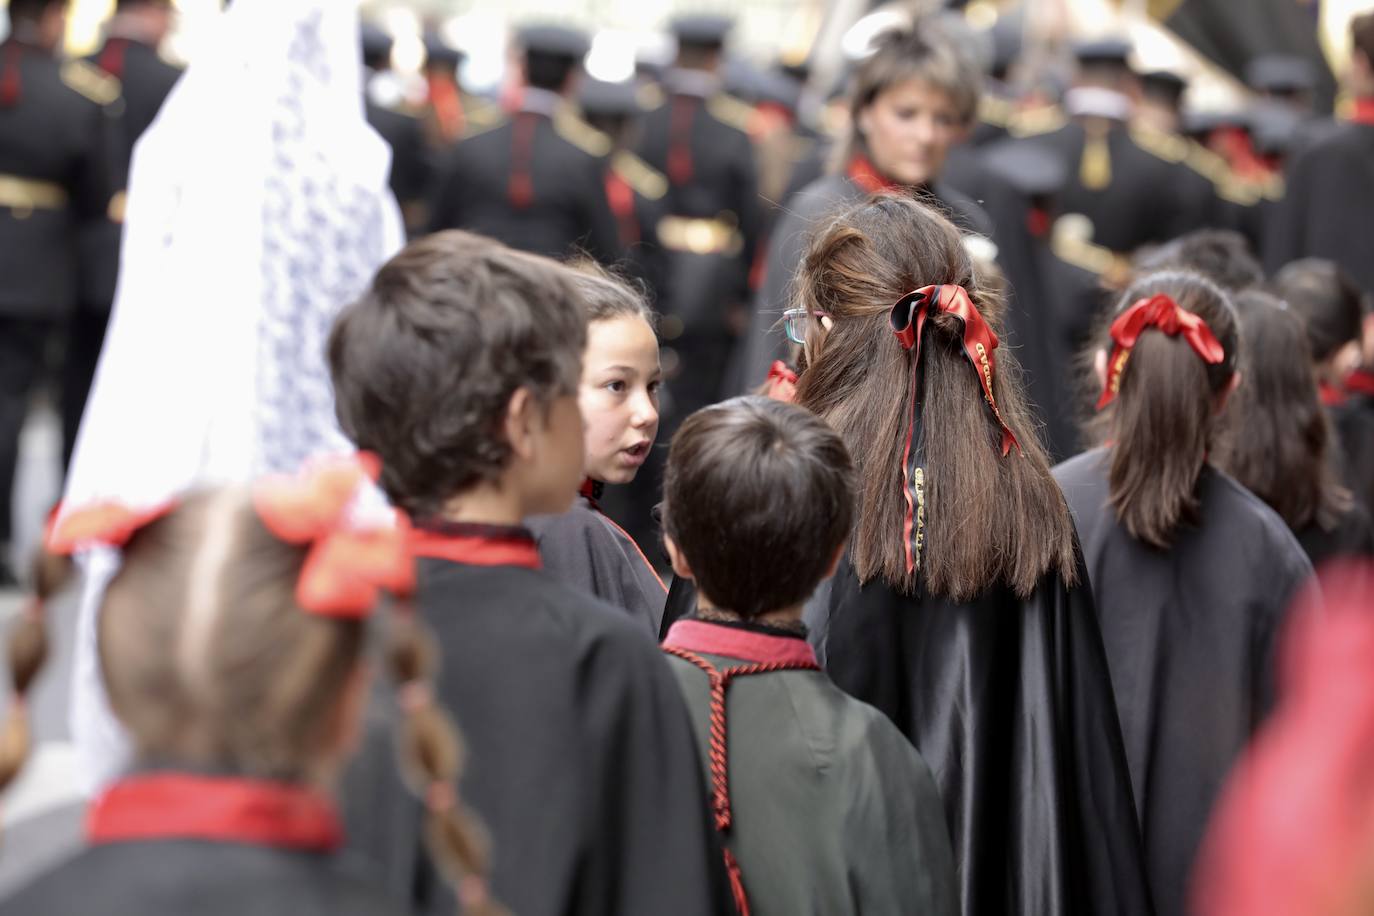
(164, 843)
(535, 182)
(580, 757)
(1190, 635)
(56, 172)
(1010, 702)
(1329, 192)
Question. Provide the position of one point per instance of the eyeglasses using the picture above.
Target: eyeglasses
(796, 321)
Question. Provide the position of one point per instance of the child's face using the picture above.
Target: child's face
(909, 129)
(619, 397)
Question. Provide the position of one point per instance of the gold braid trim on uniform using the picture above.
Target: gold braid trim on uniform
(730, 110)
(581, 134)
(92, 82)
(1158, 143)
(1095, 167)
(1041, 120)
(639, 175)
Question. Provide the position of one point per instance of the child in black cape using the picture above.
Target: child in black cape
(1332, 309)
(825, 807)
(961, 608)
(460, 366)
(231, 643)
(1279, 441)
(619, 400)
(1192, 572)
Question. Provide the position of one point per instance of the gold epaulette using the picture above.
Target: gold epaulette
(480, 116)
(92, 82)
(639, 175)
(1160, 144)
(730, 110)
(1229, 186)
(1071, 242)
(1273, 188)
(1041, 120)
(995, 111)
(650, 96)
(581, 134)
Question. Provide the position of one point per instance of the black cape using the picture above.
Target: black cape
(585, 549)
(1354, 422)
(833, 811)
(1190, 637)
(1010, 703)
(580, 757)
(1353, 536)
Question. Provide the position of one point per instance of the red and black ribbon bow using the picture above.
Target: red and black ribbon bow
(1161, 312)
(908, 320)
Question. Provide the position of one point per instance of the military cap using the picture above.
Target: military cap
(701, 30)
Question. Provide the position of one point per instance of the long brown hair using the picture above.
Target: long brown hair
(1164, 418)
(1278, 442)
(989, 519)
(209, 661)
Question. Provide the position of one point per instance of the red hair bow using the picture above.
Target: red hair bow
(1162, 312)
(908, 319)
(110, 523)
(782, 382)
(347, 566)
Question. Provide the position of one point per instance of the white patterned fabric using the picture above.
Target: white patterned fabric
(258, 206)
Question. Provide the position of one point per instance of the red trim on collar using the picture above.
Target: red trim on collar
(1363, 112)
(592, 489)
(477, 549)
(731, 642)
(1361, 381)
(167, 806)
(862, 173)
(1331, 396)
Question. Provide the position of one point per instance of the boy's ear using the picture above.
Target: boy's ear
(522, 421)
(1100, 368)
(679, 561)
(834, 563)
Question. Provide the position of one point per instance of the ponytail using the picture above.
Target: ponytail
(1159, 400)
(28, 650)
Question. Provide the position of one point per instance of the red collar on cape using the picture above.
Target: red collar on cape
(167, 806)
(732, 642)
(863, 174)
(476, 545)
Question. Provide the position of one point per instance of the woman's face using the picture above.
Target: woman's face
(909, 129)
(619, 397)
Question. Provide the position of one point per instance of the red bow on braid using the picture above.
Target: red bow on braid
(782, 382)
(1162, 312)
(108, 523)
(908, 319)
(347, 565)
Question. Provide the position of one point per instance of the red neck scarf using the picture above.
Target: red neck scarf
(1331, 396)
(1361, 381)
(863, 174)
(1363, 112)
(1161, 312)
(703, 636)
(182, 806)
(907, 320)
(476, 545)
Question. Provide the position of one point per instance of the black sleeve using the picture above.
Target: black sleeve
(746, 197)
(95, 177)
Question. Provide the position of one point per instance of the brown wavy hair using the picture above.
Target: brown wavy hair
(1279, 439)
(1164, 419)
(990, 519)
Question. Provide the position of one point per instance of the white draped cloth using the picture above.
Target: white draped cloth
(258, 206)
